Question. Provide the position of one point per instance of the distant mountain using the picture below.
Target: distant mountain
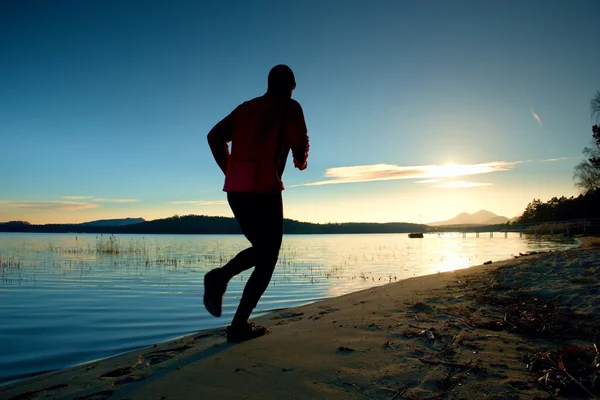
(113, 222)
(481, 217)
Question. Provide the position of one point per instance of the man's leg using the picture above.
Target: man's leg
(244, 260)
(265, 232)
(216, 280)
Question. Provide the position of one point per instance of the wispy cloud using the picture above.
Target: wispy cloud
(201, 202)
(51, 205)
(429, 181)
(535, 116)
(102, 200)
(555, 159)
(461, 185)
(382, 172)
(76, 197)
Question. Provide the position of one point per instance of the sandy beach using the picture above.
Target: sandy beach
(525, 328)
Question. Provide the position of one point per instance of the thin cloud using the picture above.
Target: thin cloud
(429, 181)
(555, 159)
(201, 202)
(52, 205)
(76, 197)
(384, 172)
(460, 185)
(535, 116)
(101, 200)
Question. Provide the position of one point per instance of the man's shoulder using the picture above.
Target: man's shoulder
(250, 102)
(293, 103)
(263, 101)
(295, 108)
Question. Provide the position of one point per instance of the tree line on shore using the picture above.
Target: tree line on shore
(586, 178)
(202, 224)
(562, 208)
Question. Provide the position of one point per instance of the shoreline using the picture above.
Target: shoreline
(360, 345)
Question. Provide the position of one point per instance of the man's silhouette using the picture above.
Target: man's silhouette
(261, 131)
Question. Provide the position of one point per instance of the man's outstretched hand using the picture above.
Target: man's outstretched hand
(301, 167)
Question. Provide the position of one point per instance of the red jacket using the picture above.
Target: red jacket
(261, 131)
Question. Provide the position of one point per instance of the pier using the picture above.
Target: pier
(551, 228)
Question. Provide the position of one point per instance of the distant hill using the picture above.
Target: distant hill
(201, 224)
(113, 222)
(481, 217)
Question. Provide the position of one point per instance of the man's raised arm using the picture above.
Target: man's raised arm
(297, 136)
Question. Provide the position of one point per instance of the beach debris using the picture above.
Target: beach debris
(538, 318)
(529, 253)
(389, 344)
(345, 349)
(373, 327)
(573, 370)
(421, 307)
(399, 392)
(410, 334)
(429, 335)
(353, 385)
(465, 323)
(491, 325)
(487, 262)
(468, 365)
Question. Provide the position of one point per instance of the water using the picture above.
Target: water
(66, 299)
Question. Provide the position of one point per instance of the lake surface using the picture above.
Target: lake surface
(66, 299)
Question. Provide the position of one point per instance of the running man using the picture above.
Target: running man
(261, 131)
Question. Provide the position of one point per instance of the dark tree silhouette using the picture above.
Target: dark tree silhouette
(595, 107)
(586, 175)
(562, 209)
(202, 224)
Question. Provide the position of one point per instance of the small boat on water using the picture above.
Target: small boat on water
(417, 235)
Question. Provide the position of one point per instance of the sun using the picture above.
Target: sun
(452, 170)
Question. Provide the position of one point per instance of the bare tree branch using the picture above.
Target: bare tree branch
(595, 106)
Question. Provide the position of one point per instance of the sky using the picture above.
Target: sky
(416, 110)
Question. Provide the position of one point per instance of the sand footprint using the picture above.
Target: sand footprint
(287, 317)
(105, 394)
(33, 393)
(159, 356)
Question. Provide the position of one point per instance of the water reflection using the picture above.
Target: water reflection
(92, 296)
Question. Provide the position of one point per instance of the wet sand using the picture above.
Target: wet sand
(458, 334)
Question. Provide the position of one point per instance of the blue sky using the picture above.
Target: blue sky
(462, 105)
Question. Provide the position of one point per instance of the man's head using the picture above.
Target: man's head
(281, 81)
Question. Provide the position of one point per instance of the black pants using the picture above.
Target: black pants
(260, 216)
